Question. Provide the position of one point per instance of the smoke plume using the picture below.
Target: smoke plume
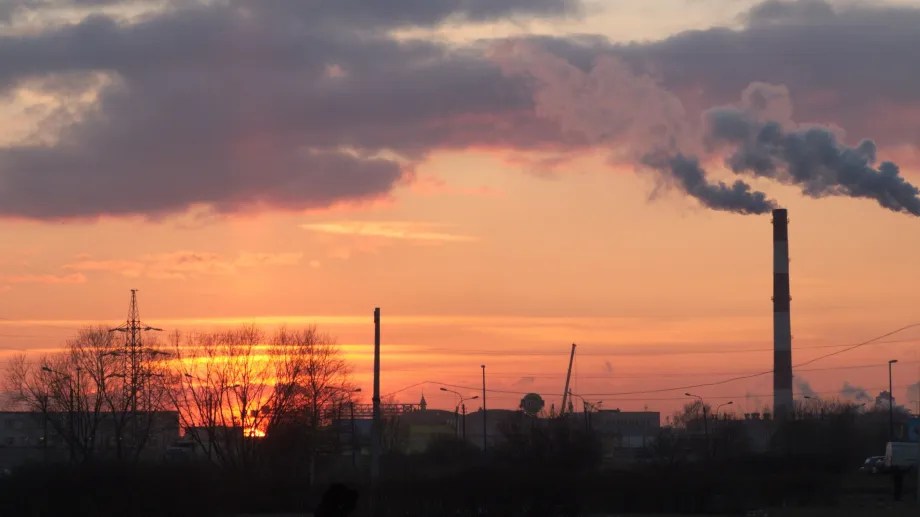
(612, 105)
(855, 392)
(810, 157)
(805, 388)
(737, 197)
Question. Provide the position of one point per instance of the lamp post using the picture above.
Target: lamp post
(585, 406)
(456, 410)
(338, 416)
(890, 402)
(71, 424)
(729, 403)
(458, 426)
(705, 419)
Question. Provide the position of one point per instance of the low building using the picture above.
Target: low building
(27, 436)
(624, 429)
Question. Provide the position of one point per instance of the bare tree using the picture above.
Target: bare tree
(692, 414)
(231, 386)
(81, 393)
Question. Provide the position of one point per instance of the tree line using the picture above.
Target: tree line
(105, 398)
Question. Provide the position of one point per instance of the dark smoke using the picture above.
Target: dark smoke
(737, 197)
(811, 158)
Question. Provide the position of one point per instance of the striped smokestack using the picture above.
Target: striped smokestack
(782, 327)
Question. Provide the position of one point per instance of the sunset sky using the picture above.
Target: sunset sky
(501, 177)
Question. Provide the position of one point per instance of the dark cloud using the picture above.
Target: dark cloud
(843, 64)
(230, 106)
(241, 104)
(784, 12)
(395, 13)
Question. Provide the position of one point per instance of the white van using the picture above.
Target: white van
(902, 455)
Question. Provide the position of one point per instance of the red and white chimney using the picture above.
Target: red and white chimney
(782, 326)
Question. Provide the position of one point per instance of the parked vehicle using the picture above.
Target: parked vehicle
(901, 455)
(873, 465)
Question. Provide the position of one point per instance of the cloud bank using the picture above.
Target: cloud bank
(277, 104)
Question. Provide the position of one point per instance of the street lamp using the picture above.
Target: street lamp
(351, 415)
(585, 405)
(705, 418)
(71, 410)
(460, 405)
(729, 403)
(890, 402)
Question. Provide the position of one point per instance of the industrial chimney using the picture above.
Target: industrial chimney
(782, 327)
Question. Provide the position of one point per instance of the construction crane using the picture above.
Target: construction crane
(568, 377)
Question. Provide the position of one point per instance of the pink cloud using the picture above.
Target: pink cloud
(431, 185)
(45, 279)
(185, 264)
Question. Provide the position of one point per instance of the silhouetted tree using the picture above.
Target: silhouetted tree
(232, 387)
(83, 394)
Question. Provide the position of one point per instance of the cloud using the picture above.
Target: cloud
(242, 106)
(44, 279)
(185, 264)
(784, 12)
(433, 185)
(211, 104)
(401, 230)
(523, 381)
(845, 70)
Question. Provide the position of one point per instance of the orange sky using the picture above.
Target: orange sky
(478, 259)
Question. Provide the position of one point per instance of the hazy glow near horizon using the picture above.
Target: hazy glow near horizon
(494, 254)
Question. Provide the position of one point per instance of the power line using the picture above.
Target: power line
(455, 351)
(692, 386)
(614, 376)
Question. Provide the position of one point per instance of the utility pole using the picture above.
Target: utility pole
(568, 376)
(375, 424)
(484, 427)
(890, 403)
